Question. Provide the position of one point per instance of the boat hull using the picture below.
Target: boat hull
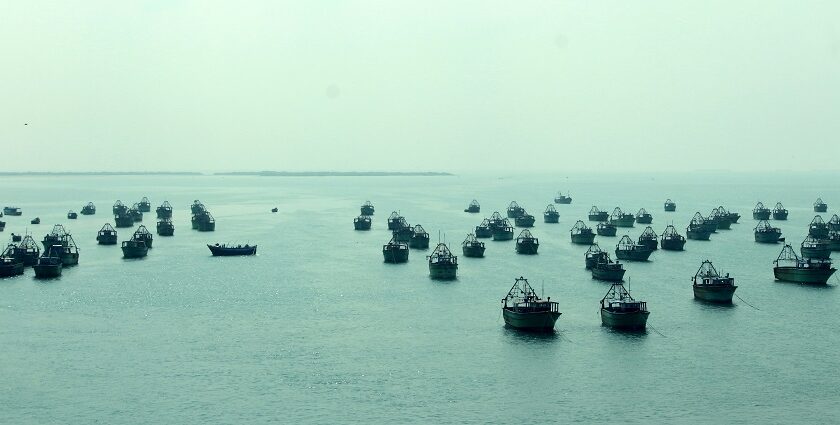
(673, 244)
(633, 255)
(527, 248)
(395, 255)
(419, 242)
(645, 219)
(608, 275)
(698, 235)
(367, 210)
(721, 294)
(651, 244)
(767, 237)
(163, 213)
(46, 271)
(551, 218)
(11, 269)
(636, 320)
(563, 200)
(800, 275)
(502, 236)
(524, 221)
(361, 224)
(816, 253)
(473, 251)
(538, 321)
(623, 222)
(761, 215)
(219, 251)
(820, 208)
(583, 239)
(123, 221)
(481, 232)
(443, 271)
(724, 224)
(106, 239)
(602, 216)
(734, 217)
(473, 210)
(780, 216)
(670, 208)
(204, 226)
(135, 251)
(166, 231)
(69, 259)
(606, 231)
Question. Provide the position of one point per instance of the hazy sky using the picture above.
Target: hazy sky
(422, 85)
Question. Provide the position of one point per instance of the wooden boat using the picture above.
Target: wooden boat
(514, 210)
(760, 212)
(790, 268)
(204, 221)
(165, 227)
(833, 240)
(367, 208)
(135, 213)
(502, 231)
(107, 235)
(54, 236)
(734, 217)
(524, 220)
(622, 219)
(628, 250)
(144, 205)
(89, 209)
(164, 210)
(71, 215)
(27, 251)
(698, 229)
(36, 220)
(710, 286)
(820, 206)
(815, 248)
(818, 228)
(649, 238)
(550, 215)
(526, 243)
(58, 236)
(12, 211)
(10, 265)
(443, 264)
(134, 249)
(403, 233)
(484, 230)
(395, 252)
(606, 229)
(562, 199)
(119, 207)
(419, 238)
(834, 223)
(670, 206)
(225, 250)
(123, 219)
(274, 210)
(780, 212)
(593, 255)
(395, 221)
(472, 247)
(766, 233)
(49, 264)
(721, 217)
(607, 270)
(16, 238)
(597, 215)
(643, 217)
(621, 311)
(523, 309)
(671, 240)
(581, 234)
(362, 222)
(197, 207)
(143, 234)
(473, 207)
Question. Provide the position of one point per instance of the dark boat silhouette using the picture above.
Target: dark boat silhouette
(224, 250)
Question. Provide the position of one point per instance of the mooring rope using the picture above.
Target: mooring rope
(745, 302)
(657, 331)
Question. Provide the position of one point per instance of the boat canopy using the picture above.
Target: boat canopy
(648, 234)
(764, 226)
(442, 255)
(580, 227)
(549, 209)
(522, 298)
(779, 208)
(697, 220)
(594, 210)
(759, 207)
(617, 214)
(471, 240)
(819, 202)
(106, 229)
(619, 299)
(626, 244)
(419, 230)
(525, 236)
(812, 242)
(670, 232)
(594, 249)
(474, 203)
(642, 213)
(708, 275)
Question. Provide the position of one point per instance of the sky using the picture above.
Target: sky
(458, 86)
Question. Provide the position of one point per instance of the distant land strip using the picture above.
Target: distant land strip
(98, 173)
(333, 173)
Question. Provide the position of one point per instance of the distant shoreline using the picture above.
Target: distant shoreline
(236, 173)
(97, 173)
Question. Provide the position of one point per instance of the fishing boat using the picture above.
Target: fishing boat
(119, 207)
(606, 229)
(36, 220)
(562, 199)
(671, 240)
(89, 209)
(833, 240)
(593, 255)
(197, 207)
(367, 208)
(524, 220)
(815, 248)
(734, 217)
(59, 236)
(820, 206)
(2, 226)
(608, 270)
(403, 233)
(395, 221)
(134, 249)
(443, 264)
(71, 215)
(710, 286)
(514, 210)
(49, 264)
(581, 234)
(780, 212)
(143, 234)
(204, 221)
(628, 250)
(670, 206)
(9, 264)
(621, 311)
(362, 222)
(550, 215)
(523, 309)
(12, 211)
(419, 238)
(144, 205)
(473, 207)
(698, 229)
(395, 252)
(54, 236)
(496, 220)
(123, 219)
(165, 227)
(107, 235)
(766, 233)
(818, 228)
(274, 210)
(27, 251)
(834, 223)
(164, 210)
(16, 238)
(503, 231)
(721, 218)
(472, 247)
(526, 243)
(649, 238)
(622, 219)
(135, 213)
(484, 230)
(790, 268)
(597, 215)
(225, 250)
(643, 217)
(760, 212)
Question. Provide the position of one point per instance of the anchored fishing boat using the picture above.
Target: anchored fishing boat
(606, 229)
(734, 217)
(621, 311)
(523, 309)
(49, 264)
(597, 215)
(820, 206)
(514, 210)
(834, 223)
(550, 215)
(524, 220)
(766, 233)
(59, 236)
(562, 199)
(473, 207)
(12, 211)
(134, 249)
(395, 252)
(2, 225)
(143, 234)
(622, 219)
(644, 217)
(395, 221)
(815, 248)
(27, 251)
(144, 205)
(670, 206)
(502, 231)
(443, 265)
(649, 238)
(225, 250)
(484, 230)
(71, 215)
(818, 228)
(760, 212)
(698, 229)
(204, 222)
(472, 247)
(780, 212)
(628, 250)
(274, 210)
(119, 207)
(526, 243)
(135, 213)
(9, 264)
(16, 238)
(419, 238)
(404, 233)
(581, 234)
(367, 208)
(165, 227)
(710, 286)
(164, 210)
(607, 270)
(721, 218)
(123, 219)
(197, 207)
(671, 240)
(790, 268)
(833, 240)
(593, 255)
(106, 235)
(89, 209)
(362, 222)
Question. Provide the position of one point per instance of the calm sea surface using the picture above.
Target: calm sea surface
(317, 329)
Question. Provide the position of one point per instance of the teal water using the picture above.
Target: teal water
(317, 329)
